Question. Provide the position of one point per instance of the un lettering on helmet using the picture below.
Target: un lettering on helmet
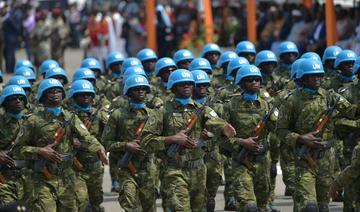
(92, 63)
(290, 46)
(185, 75)
(16, 88)
(213, 46)
(200, 76)
(139, 79)
(232, 55)
(149, 53)
(248, 46)
(167, 61)
(350, 54)
(202, 63)
(316, 66)
(186, 54)
(52, 81)
(269, 55)
(21, 81)
(86, 86)
(134, 62)
(252, 69)
(87, 72)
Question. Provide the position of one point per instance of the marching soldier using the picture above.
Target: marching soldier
(148, 60)
(183, 58)
(246, 49)
(344, 64)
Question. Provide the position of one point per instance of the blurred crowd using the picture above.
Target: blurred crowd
(46, 28)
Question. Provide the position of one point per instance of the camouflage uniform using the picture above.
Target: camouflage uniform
(13, 189)
(114, 88)
(299, 114)
(58, 40)
(40, 41)
(57, 193)
(250, 187)
(137, 192)
(282, 74)
(183, 177)
(338, 81)
(90, 175)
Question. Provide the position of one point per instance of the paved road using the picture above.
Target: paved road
(73, 59)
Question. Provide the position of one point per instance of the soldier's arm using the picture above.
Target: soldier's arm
(285, 123)
(344, 107)
(213, 122)
(351, 173)
(109, 137)
(23, 148)
(87, 140)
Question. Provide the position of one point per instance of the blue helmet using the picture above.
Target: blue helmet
(83, 73)
(236, 64)
(344, 56)
(47, 84)
(307, 67)
(164, 63)
(146, 54)
(245, 47)
(311, 55)
(56, 72)
(135, 81)
(295, 68)
(288, 47)
(182, 54)
(11, 90)
(201, 77)
(134, 71)
(265, 56)
(180, 75)
(24, 63)
(200, 64)
(356, 66)
(330, 53)
(81, 86)
(225, 58)
(247, 71)
(48, 64)
(20, 81)
(114, 57)
(210, 47)
(25, 72)
(91, 63)
(130, 62)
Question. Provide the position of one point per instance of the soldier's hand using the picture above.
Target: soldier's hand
(50, 154)
(206, 134)
(333, 192)
(310, 140)
(135, 148)
(183, 140)
(103, 157)
(6, 159)
(229, 131)
(250, 143)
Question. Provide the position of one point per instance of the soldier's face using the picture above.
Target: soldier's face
(116, 67)
(312, 81)
(97, 72)
(14, 103)
(53, 97)
(224, 67)
(267, 67)
(138, 94)
(200, 90)
(251, 84)
(212, 57)
(249, 56)
(149, 65)
(84, 99)
(346, 68)
(184, 64)
(183, 89)
(165, 73)
(330, 63)
(288, 58)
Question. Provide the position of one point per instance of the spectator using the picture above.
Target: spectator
(74, 21)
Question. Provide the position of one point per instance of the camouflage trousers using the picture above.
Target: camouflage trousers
(213, 161)
(287, 163)
(274, 155)
(229, 179)
(55, 195)
(137, 193)
(252, 187)
(312, 185)
(89, 188)
(184, 188)
(15, 188)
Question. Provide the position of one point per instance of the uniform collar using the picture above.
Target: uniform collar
(179, 105)
(9, 119)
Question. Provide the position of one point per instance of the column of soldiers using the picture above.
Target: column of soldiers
(173, 127)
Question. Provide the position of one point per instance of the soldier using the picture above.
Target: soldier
(251, 185)
(114, 62)
(94, 65)
(311, 55)
(211, 52)
(184, 175)
(220, 79)
(183, 58)
(122, 137)
(89, 168)
(59, 74)
(12, 172)
(47, 65)
(344, 64)
(27, 73)
(148, 60)
(201, 64)
(246, 49)
(24, 63)
(298, 124)
(24, 84)
(54, 176)
(163, 69)
(328, 60)
(213, 159)
(288, 52)
(59, 36)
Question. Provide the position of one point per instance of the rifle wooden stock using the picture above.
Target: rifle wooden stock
(259, 128)
(323, 121)
(46, 174)
(2, 179)
(310, 161)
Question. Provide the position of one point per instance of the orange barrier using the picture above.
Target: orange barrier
(209, 27)
(150, 24)
(330, 20)
(251, 20)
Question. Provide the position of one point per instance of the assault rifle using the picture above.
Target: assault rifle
(243, 156)
(125, 161)
(305, 151)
